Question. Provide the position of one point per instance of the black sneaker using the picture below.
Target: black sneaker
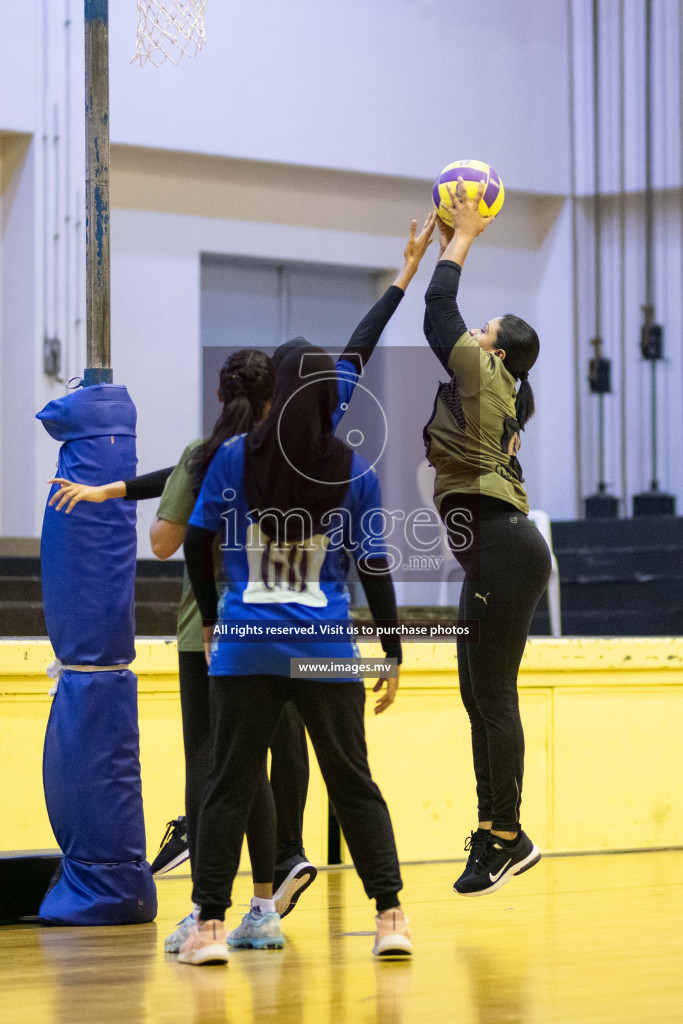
(475, 844)
(173, 850)
(292, 878)
(496, 864)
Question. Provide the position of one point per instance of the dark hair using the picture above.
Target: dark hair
(296, 471)
(520, 343)
(246, 383)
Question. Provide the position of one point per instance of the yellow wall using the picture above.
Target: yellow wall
(602, 719)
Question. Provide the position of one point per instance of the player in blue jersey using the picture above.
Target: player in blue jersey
(289, 770)
(291, 503)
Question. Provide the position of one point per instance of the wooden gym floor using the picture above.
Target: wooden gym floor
(585, 939)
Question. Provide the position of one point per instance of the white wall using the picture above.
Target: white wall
(622, 282)
(155, 300)
(20, 80)
(17, 332)
(551, 475)
(282, 94)
(395, 87)
(622, 60)
(620, 270)
(398, 87)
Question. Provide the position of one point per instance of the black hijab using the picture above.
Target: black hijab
(284, 349)
(293, 462)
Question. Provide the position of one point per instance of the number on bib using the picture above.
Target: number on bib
(284, 573)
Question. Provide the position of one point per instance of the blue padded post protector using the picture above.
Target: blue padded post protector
(91, 760)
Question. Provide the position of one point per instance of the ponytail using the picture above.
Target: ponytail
(521, 346)
(247, 380)
(525, 406)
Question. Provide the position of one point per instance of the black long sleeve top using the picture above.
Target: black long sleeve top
(364, 339)
(443, 323)
(149, 485)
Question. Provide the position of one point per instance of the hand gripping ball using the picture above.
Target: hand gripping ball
(471, 172)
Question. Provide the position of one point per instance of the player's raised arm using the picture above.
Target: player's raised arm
(444, 325)
(416, 247)
(368, 332)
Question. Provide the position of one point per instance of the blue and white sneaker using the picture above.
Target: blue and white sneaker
(174, 941)
(258, 931)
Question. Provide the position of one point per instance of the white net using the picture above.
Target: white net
(169, 30)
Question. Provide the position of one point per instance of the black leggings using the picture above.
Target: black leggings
(507, 567)
(244, 715)
(278, 804)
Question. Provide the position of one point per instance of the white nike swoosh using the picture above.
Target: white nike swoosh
(494, 878)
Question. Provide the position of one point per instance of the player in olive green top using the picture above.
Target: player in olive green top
(472, 441)
(175, 509)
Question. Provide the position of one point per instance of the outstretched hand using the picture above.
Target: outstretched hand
(73, 493)
(467, 219)
(417, 245)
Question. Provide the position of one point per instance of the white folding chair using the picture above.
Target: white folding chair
(542, 521)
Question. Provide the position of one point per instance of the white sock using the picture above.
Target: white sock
(261, 906)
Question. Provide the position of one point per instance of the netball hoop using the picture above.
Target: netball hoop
(169, 30)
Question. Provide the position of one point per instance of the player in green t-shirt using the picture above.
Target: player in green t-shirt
(472, 440)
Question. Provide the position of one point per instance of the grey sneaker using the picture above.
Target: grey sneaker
(174, 941)
(258, 931)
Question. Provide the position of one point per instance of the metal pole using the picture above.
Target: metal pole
(649, 233)
(649, 209)
(57, 236)
(597, 234)
(67, 361)
(654, 501)
(78, 279)
(98, 304)
(46, 178)
(578, 473)
(622, 259)
(597, 204)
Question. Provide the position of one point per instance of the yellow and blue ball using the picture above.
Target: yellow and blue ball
(471, 172)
